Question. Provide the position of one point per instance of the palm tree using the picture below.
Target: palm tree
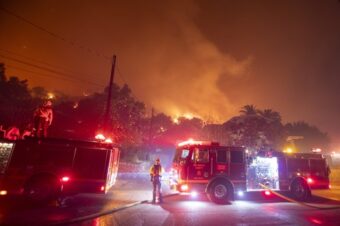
(248, 110)
(271, 115)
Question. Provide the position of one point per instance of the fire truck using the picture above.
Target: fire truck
(221, 171)
(45, 169)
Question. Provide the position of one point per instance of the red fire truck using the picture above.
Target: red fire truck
(48, 168)
(221, 172)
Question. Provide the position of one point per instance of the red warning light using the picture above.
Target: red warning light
(65, 179)
(267, 193)
(310, 180)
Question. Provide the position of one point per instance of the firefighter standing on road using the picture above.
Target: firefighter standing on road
(43, 117)
(156, 174)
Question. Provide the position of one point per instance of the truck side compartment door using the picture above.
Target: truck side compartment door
(222, 159)
(237, 164)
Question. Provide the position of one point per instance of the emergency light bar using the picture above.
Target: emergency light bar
(196, 142)
(100, 136)
(108, 140)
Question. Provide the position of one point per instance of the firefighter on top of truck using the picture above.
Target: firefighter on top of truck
(156, 171)
(43, 117)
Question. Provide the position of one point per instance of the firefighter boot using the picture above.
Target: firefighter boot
(154, 196)
(160, 197)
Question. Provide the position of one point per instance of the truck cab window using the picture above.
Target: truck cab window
(181, 156)
(200, 156)
(5, 153)
(318, 167)
(185, 154)
(221, 156)
(236, 156)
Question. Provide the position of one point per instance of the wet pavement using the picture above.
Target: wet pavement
(192, 211)
(129, 190)
(133, 190)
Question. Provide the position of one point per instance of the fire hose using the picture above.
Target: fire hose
(300, 203)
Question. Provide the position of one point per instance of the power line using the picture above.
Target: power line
(120, 75)
(37, 61)
(42, 74)
(123, 79)
(48, 69)
(70, 42)
(66, 76)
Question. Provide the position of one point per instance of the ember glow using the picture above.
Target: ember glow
(189, 116)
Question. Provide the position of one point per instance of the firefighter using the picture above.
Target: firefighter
(28, 131)
(13, 133)
(43, 117)
(2, 132)
(156, 174)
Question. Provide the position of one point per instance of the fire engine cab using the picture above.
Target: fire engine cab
(45, 169)
(221, 171)
(202, 166)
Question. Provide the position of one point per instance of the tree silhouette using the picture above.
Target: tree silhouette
(312, 136)
(255, 129)
(248, 110)
(273, 128)
(81, 118)
(15, 100)
(271, 115)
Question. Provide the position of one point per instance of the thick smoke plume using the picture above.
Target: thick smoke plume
(177, 69)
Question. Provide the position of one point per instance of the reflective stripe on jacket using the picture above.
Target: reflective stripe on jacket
(156, 170)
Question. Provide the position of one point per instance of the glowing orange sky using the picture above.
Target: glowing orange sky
(206, 58)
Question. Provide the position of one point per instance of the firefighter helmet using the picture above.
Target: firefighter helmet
(157, 160)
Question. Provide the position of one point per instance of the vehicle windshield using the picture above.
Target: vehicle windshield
(5, 153)
(200, 155)
(181, 154)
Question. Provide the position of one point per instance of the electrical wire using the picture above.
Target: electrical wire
(35, 73)
(55, 35)
(37, 61)
(124, 81)
(48, 69)
(70, 42)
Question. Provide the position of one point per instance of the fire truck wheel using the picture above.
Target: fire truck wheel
(220, 192)
(300, 190)
(41, 190)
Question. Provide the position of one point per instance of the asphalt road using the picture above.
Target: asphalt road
(176, 210)
(333, 194)
(129, 190)
(185, 210)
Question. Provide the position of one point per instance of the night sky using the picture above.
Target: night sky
(199, 58)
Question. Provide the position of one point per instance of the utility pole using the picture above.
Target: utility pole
(151, 128)
(107, 117)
